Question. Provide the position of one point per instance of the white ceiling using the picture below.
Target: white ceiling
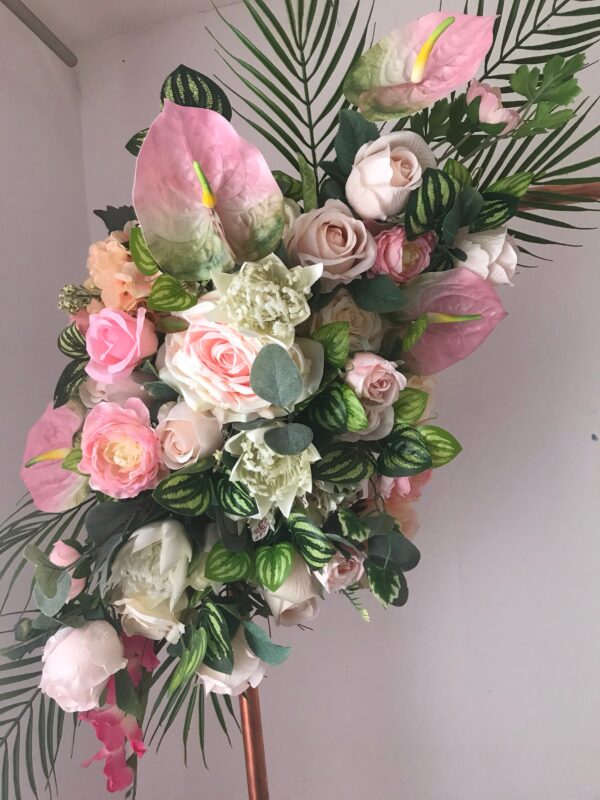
(80, 22)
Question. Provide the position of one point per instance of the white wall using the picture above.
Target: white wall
(485, 685)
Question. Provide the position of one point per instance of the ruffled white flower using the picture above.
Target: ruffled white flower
(273, 480)
(366, 327)
(265, 298)
(493, 255)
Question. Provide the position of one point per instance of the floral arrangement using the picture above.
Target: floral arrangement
(246, 416)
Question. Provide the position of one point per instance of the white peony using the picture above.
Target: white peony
(493, 255)
(296, 600)
(78, 663)
(248, 670)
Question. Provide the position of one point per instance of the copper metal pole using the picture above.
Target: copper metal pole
(254, 746)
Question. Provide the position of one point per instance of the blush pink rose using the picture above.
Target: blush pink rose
(374, 379)
(491, 110)
(400, 489)
(114, 273)
(186, 435)
(63, 555)
(117, 343)
(342, 571)
(121, 451)
(400, 259)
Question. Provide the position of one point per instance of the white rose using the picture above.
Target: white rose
(492, 255)
(78, 663)
(296, 600)
(385, 172)
(248, 670)
(366, 327)
(92, 392)
(186, 435)
(342, 572)
(148, 579)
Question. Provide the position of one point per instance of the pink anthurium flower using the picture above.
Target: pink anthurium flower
(204, 196)
(418, 64)
(462, 310)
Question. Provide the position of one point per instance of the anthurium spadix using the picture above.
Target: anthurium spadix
(205, 197)
(418, 64)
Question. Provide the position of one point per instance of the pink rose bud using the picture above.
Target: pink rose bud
(374, 379)
(400, 259)
(117, 343)
(491, 110)
(63, 555)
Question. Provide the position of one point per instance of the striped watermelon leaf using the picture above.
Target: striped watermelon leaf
(314, 547)
(410, 406)
(497, 209)
(458, 171)
(273, 564)
(235, 499)
(187, 87)
(224, 566)
(442, 445)
(335, 338)
(352, 526)
(134, 144)
(515, 185)
(430, 202)
(140, 253)
(71, 378)
(71, 342)
(194, 649)
(356, 415)
(328, 410)
(405, 453)
(344, 464)
(167, 294)
(388, 585)
(219, 653)
(184, 493)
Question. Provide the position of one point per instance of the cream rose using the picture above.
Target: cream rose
(186, 435)
(148, 580)
(92, 392)
(331, 236)
(493, 255)
(296, 600)
(366, 327)
(342, 571)
(248, 670)
(385, 172)
(78, 663)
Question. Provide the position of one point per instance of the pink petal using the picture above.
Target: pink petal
(114, 729)
(187, 238)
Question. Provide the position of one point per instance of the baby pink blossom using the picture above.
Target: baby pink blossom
(400, 259)
(117, 343)
(491, 110)
(63, 555)
(342, 571)
(374, 379)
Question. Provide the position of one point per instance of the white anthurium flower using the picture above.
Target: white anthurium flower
(265, 298)
(273, 480)
(148, 580)
(297, 599)
(248, 670)
(493, 255)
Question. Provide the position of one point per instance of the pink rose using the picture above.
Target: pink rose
(186, 435)
(342, 572)
(113, 271)
(333, 237)
(63, 555)
(401, 489)
(374, 379)
(121, 452)
(117, 343)
(491, 110)
(400, 259)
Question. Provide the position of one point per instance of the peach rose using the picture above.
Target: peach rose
(117, 343)
(114, 273)
(374, 379)
(400, 259)
(63, 555)
(342, 572)
(333, 237)
(121, 452)
(186, 435)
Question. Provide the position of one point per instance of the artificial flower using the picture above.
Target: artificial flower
(114, 728)
(415, 65)
(374, 379)
(114, 273)
(78, 662)
(148, 579)
(205, 197)
(401, 259)
(117, 343)
(296, 602)
(491, 110)
(248, 670)
(64, 555)
(400, 489)
(186, 435)
(121, 452)
(331, 236)
(309, 357)
(385, 172)
(493, 255)
(365, 327)
(427, 384)
(92, 392)
(343, 570)
(380, 421)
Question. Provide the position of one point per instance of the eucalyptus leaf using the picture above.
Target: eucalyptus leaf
(289, 440)
(275, 377)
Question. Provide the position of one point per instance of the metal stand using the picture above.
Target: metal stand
(254, 746)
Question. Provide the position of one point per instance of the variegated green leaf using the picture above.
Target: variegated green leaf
(273, 564)
(428, 205)
(184, 493)
(356, 415)
(71, 342)
(314, 547)
(410, 406)
(344, 464)
(194, 650)
(167, 294)
(352, 526)
(235, 499)
(335, 338)
(224, 566)
(405, 453)
(442, 446)
(187, 87)
(140, 253)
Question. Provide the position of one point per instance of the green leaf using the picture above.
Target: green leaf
(275, 377)
(71, 462)
(379, 294)
(219, 653)
(405, 453)
(290, 187)
(328, 410)
(161, 391)
(194, 650)
(335, 338)
(51, 589)
(309, 184)
(388, 585)
(188, 494)
(354, 131)
(261, 645)
(71, 378)
(458, 171)
(410, 406)
(235, 499)
(428, 205)
(172, 324)
(289, 440)
(515, 185)
(465, 210)
(187, 87)
(415, 330)
(273, 564)
(140, 253)
(134, 145)
(116, 218)
(442, 446)
(356, 416)
(353, 527)
(127, 697)
(167, 294)
(71, 342)
(395, 550)
(344, 464)
(226, 567)
(314, 547)
(497, 209)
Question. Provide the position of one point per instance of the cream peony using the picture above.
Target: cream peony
(186, 435)
(148, 580)
(385, 172)
(78, 663)
(366, 327)
(493, 255)
(296, 600)
(248, 670)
